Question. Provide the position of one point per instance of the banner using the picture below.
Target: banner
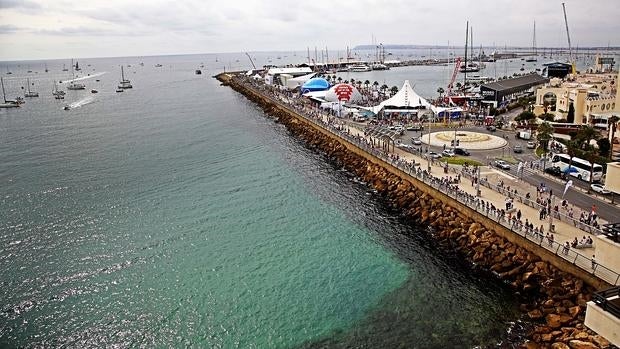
(568, 185)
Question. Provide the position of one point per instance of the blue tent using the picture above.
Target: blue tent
(315, 84)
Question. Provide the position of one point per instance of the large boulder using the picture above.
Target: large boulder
(559, 345)
(553, 320)
(577, 344)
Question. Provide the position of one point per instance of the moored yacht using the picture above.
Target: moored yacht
(359, 68)
(30, 93)
(74, 85)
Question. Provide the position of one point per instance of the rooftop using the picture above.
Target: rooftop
(525, 81)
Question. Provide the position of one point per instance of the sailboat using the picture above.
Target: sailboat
(46, 68)
(124, 82)
(58, 94)
(7, 104)
(468, 66)
(74, 85)
(77, 66)
(30, 93)
(64, 68)
(533, 59)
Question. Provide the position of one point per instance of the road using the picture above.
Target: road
(605, 210)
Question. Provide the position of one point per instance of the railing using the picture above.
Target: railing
(449, 189)
(602, 299)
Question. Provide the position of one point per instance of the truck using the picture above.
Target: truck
(524, 135)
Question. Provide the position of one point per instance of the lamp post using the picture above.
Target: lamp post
(551, 214)
(428, 154)
(478, 182)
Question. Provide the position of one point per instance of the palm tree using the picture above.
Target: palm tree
(384, 88)
(352, 81)
(440, 91)
(543, 135)
(394, 90)
(339, 79)
(375, 84)
(366, 84)
(585, 135)
(613, 123)
(591, 156)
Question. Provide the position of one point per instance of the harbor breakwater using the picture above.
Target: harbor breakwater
(552, 298)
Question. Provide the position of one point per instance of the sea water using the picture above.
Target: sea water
(176, 214)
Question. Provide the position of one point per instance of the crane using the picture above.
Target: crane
(457, 65)
(570, 48)
(251, 61)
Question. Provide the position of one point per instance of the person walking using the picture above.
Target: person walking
(593, 262)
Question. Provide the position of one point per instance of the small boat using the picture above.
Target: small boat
(7, 104)
(158, 65)
(124, 84)
(46, 68)
(119, 89)
(94, 91)
(97, 80)
(28, 92)
(66, 107)
(77, 66)
(64, 68)
(198, 72)
(58, 94)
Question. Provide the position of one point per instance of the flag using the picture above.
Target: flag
(568, 185)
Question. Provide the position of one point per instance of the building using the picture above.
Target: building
(594, 98)
(557, 70)
(279, 76)
(503, 91)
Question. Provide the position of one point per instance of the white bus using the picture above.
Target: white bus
(580, 168)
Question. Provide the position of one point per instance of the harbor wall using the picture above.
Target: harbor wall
(553, 292)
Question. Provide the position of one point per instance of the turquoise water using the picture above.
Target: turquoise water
(177, 215)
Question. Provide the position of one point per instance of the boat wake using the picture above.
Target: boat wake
(80, 103)
(83, 77)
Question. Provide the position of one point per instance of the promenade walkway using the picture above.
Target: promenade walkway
(458, 184)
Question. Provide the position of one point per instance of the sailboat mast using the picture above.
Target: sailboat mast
(466, 38)
(534, 40)
(122, 74)
(3, 93)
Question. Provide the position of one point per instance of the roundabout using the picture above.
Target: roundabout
(466, 139)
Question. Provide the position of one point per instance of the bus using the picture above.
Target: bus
(580, 168)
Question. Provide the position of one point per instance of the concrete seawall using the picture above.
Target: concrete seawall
(553, 292)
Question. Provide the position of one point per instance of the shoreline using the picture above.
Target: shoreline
(555, 300)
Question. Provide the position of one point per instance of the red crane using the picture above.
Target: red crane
(457, 65)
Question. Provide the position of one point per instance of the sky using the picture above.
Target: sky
(45, 29)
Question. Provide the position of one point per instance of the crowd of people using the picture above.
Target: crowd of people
(509, 215)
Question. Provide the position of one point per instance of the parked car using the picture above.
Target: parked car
(598, 188)
(416, 141)
(491, 128)
(434, 155)
(531, 145)
(501, 164)
(554, 171)
(414, 127)
(461, 151)
(517, 149)
(447, 153)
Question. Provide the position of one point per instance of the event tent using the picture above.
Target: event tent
(406, 99)
(315, 84)
(343, 93)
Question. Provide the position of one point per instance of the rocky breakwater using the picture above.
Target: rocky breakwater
(553, 300)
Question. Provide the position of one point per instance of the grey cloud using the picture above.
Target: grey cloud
(26, 4)
(9, 29)
(86, 31)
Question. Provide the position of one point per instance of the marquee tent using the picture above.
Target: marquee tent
(294, 82)
(406, 99)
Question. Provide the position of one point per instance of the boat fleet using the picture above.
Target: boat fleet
(73, 84)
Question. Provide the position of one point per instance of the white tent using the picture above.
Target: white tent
(405, 98)
(298, 81)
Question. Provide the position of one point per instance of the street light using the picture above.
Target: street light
(428, 154)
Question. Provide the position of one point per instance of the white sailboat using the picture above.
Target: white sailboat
(58, 94)
(124, 84)
(30, 93)
(74, 85)
(7, 104)
(533, 59)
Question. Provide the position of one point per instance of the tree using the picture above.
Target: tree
(458, 85)
(543, 135)
(613, 124)
(394, 90)
(571, 114)
(375, 84)
(384, 88)
(367, 83)
(525, 116)
(591, 156)
(604, 147)
(339, 79)
(585, 135)
(547, 117)
(440, 91)
(571, 150)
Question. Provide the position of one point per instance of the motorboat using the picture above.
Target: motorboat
(158, 65)
(94, 91)
(379, 66)
(66, 107)
(471, 67)
(75, 85)
(119, 89)
(198, 72)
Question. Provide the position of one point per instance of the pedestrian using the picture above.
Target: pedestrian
(593, 262)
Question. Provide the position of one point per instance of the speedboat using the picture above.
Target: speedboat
(119, 89)
(198, 72)
(66, 107)
(94, 91)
